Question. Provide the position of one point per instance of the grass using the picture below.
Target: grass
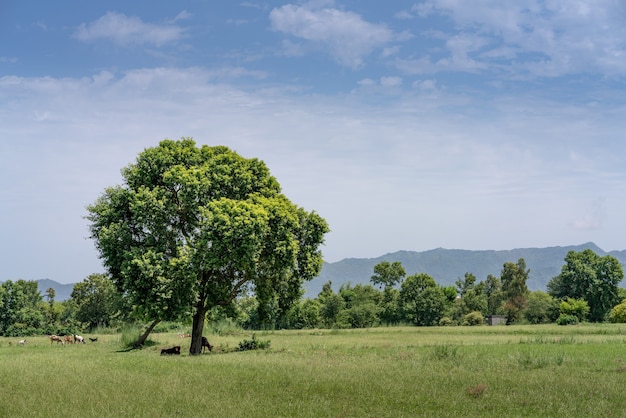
(380, 372)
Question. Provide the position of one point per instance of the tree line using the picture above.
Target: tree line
(585, 290)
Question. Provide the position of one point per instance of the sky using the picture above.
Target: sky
(407, 125)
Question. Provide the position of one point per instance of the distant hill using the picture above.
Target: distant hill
(62, 291)
(447, 266)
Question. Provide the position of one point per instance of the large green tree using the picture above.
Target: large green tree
(586, 275)
(194, 227)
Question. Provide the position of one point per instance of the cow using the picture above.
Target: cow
(174, 350)
(21, 342)
(68, 339)
(181, 335)
(78, 339)
(56, 338)
(205, 344)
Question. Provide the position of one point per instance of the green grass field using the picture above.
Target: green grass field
(498, 371)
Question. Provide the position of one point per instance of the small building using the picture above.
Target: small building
(496, 319)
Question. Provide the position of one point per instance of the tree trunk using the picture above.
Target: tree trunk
(142, 339)
(197, 328)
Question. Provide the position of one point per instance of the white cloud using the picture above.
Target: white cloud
(345, 35)
(391, 81)
(129, 30)
(530, 37)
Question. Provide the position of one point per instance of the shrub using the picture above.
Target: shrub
(567, 320)
(253, 344)
(473, 318)
(575, 307)
(446, 321)
(618, 313)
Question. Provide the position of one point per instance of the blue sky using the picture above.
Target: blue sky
(408, 125)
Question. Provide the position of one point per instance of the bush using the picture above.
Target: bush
(473, 318)
(446, 321)
(567, 320)
(618, 313)
(253, 344)
(575, 307)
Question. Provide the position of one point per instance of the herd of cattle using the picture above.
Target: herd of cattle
(69, 339)
(78, 339)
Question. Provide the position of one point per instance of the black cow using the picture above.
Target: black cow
(173, 350)
(205, 343)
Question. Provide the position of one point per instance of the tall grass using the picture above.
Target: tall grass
(380, 372)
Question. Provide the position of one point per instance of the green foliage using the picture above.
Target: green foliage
(575, 307)
(474, 318)
(588, 276)
(542, 308)
(22, 310)
(423, 301)
(253, 344)
(564, 319)
(388, 274)
(618, 313)
(97, 302)
(514, 288)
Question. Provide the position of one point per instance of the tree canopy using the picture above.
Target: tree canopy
(588, 276)
(194, 227)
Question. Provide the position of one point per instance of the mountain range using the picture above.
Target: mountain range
(443, 265)
(447, 266)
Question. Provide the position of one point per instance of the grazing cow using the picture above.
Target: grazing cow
(21, 342)
(205, 344)
(181, 335)
(93, 340)
(78, 339)
(173, 350)
(68, 339)
(56, 338)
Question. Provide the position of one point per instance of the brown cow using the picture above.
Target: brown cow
(56, 338)
(68, 339)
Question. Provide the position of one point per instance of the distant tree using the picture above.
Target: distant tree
(390, 306)
(514, 277)
(304, 314)
(361, 306)
(423, 301)
(472, 297)
(387, 274)
(495, 296)
(591, 277)
(98, 303)
(331, 305)
(193, 228)
(542, 308)
(22, 311)
(53, 314)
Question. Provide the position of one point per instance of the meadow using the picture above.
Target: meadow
(539, 370)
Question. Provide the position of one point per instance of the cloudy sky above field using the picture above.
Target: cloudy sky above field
(408, 125)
